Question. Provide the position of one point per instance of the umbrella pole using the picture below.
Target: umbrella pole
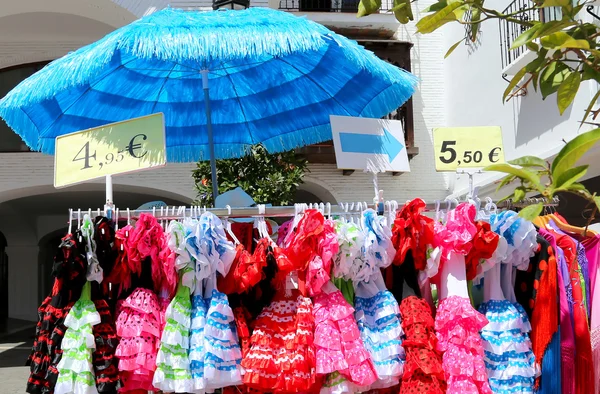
(211, 142)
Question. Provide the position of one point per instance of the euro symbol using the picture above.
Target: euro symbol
(132, 147)
(493, 154)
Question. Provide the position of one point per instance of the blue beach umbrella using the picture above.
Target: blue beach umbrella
(225, 80)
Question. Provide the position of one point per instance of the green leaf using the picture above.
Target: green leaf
(577, 187)
(552, 27)
(440, 18)
(519, 194)
(513, 82)
(526, 36)
(555, 3)
(573, 151)
(524, 174)
(590, 107)
(590, 73)
(402, 11)
(453, 47)
(529, 161)
(505, 181)
(569, 177)
(368, 7)
(560, 39)
(567, 91)
(552, 77)
(436, 6)
(532, 46)
(597, 201)
(531, 212)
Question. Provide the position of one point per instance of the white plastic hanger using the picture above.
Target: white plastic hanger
(70, 220)
(116, 219)
(228, 226)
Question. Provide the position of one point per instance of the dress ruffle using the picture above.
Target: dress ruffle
(378, 319)
(520, 236)
(338, 343)
(485, 242)
(139, 313)
(282, 353)
(197, 351)
(347, 263)
(104, 359)
(457, 327)
(75, 369)
(245, 273)
(223, 355)
(423, 371)
(509, 359)
(172, 362)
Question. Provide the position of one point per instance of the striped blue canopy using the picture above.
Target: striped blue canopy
(274, 79)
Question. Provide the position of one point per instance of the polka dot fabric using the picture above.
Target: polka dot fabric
(282, 352)
(457, 327)
(423, 371)
(138, 325)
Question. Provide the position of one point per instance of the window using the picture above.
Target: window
(9, 78)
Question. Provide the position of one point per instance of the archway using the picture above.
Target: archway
(48, 246)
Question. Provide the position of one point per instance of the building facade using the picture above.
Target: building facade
(463, 90)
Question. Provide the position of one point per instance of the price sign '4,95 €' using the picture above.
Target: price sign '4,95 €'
(117, 148)
(467, 147)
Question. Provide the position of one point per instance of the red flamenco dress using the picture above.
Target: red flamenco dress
(417, 261)
(282, 353)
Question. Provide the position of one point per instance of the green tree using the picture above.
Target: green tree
(567, 50)
(535, 176)
(267, 178)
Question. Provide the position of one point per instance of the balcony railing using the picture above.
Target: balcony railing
(509, 31)
(328, 5)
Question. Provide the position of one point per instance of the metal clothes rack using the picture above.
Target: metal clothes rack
(289, 211)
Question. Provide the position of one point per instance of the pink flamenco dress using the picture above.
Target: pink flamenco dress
(138, 326)
(457, 323)
(340, 352)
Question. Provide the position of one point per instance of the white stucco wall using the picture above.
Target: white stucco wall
(473, 97)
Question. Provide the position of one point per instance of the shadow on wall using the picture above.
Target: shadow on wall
(536, 116)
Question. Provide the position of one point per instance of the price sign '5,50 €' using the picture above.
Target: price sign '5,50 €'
(467, 147)
(117, 148)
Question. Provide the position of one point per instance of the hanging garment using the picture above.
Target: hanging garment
(172, 361)
(423, 371)
(509, 359)
(462, 359)
(69, 270)
(104, 360)
(567, 337)
(75, 370)
(378, 317)
(138, 326)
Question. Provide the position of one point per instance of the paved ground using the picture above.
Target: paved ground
(14, 350)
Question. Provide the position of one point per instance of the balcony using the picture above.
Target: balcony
(349, 6)
(514, 59)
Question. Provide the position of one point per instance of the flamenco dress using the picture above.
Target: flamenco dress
(338, 345)
(282, 353)
(69, 270)
(376, 310)
(457, 324)
(509, 359)
(172, 362)
(75, 369)
(138, 326)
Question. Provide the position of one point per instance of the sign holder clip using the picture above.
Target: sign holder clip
(471, 173)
